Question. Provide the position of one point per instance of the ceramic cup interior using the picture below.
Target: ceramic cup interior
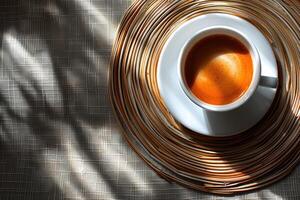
(227, 31)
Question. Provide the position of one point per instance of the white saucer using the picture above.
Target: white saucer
(191, 115)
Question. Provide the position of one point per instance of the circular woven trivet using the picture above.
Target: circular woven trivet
(250, 160)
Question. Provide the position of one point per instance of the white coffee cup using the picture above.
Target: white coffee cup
(256, 78)
(192, 114)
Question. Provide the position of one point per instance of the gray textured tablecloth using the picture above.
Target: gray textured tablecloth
(58, 137)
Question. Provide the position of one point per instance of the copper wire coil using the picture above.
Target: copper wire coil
(251, 160)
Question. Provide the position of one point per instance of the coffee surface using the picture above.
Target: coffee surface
(218, 69)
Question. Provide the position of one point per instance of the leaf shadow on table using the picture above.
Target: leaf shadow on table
(54, 99)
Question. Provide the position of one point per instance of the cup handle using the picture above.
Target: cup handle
(270, 82)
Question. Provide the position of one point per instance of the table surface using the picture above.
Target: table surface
(58, 136)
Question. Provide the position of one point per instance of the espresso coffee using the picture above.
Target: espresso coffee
(218, 69)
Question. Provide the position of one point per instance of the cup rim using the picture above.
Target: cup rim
(225, 30)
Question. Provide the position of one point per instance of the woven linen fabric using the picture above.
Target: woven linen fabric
(58, 136)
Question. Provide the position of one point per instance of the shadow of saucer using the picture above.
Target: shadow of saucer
(242, 118)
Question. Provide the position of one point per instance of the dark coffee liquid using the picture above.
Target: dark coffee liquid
(218, 69)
